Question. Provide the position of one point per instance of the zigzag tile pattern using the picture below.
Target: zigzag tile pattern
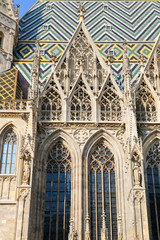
(136, 22)
(129, 21)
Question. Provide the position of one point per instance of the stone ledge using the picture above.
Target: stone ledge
(7, 202)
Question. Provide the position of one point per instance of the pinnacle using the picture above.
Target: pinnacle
(81, 10)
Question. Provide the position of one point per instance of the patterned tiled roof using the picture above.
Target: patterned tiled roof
(109, 24)
(9, 87)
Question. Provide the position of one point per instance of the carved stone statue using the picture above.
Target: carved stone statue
(137, 174)
(26, 168)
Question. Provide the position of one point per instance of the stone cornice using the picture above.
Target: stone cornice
(108, 125)
(9, 114)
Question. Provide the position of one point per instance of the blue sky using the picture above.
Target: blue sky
(25, 5)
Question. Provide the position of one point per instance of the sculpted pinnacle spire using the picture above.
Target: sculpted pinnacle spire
(81, 10)
(142, 62)
(53, 61)
(126, 66)
(126, 72)
(35, 72)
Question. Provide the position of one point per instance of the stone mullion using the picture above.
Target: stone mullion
(102, 180)
(96, 205)
(110, 202)
(51, 206)
(57, 218)
(64, 216)
(6, 158)
(95, 110)
(11, 157)
(65, 112)
(87, 197)
(158, 109)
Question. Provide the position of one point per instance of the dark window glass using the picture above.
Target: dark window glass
(8, 157)
(58, 194)
(153, 183)
(102, 192)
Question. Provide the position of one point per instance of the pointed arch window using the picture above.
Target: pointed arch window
(58, 193)
(110, 104)
(102, 192)
(51, 107)
(81, 104)
(9, 149)
(152, 167)
(145, 104)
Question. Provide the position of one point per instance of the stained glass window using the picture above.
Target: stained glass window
(102, 192)
(8, 157)
(153, 183)
(58, 194)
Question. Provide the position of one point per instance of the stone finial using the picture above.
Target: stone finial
(71, 230)
(87, 231)
(35, 72)
(54, 60)
(142, 60)
(104, 230)
(36, 61)
(125, 48)
(37, 47)
(81, 10)
(109, 59)
(126, 66)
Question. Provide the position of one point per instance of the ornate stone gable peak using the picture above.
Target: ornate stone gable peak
(151, 70)
(80, 57)
(50, 107)
(145, 103)
(110, 100)
(8, 7)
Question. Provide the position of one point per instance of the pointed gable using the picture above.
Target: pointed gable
(153, 65)
(81, 56)
(50, 104)
(145, 103)
(110, 104)
(81, 109)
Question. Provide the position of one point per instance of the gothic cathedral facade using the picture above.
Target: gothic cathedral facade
(80, 121)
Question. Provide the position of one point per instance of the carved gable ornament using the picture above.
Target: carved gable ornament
(80, 56)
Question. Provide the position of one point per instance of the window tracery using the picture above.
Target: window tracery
(80, 57)
(110, 104)
(102, 192)
(58, 193)
(81, 104)
(145, 104)
(153, 182)
(8, 157)
(51, 107)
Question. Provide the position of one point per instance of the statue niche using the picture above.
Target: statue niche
(26, 168)
(136, 170)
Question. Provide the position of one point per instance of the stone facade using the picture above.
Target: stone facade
(82, 107)
(9, 15)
